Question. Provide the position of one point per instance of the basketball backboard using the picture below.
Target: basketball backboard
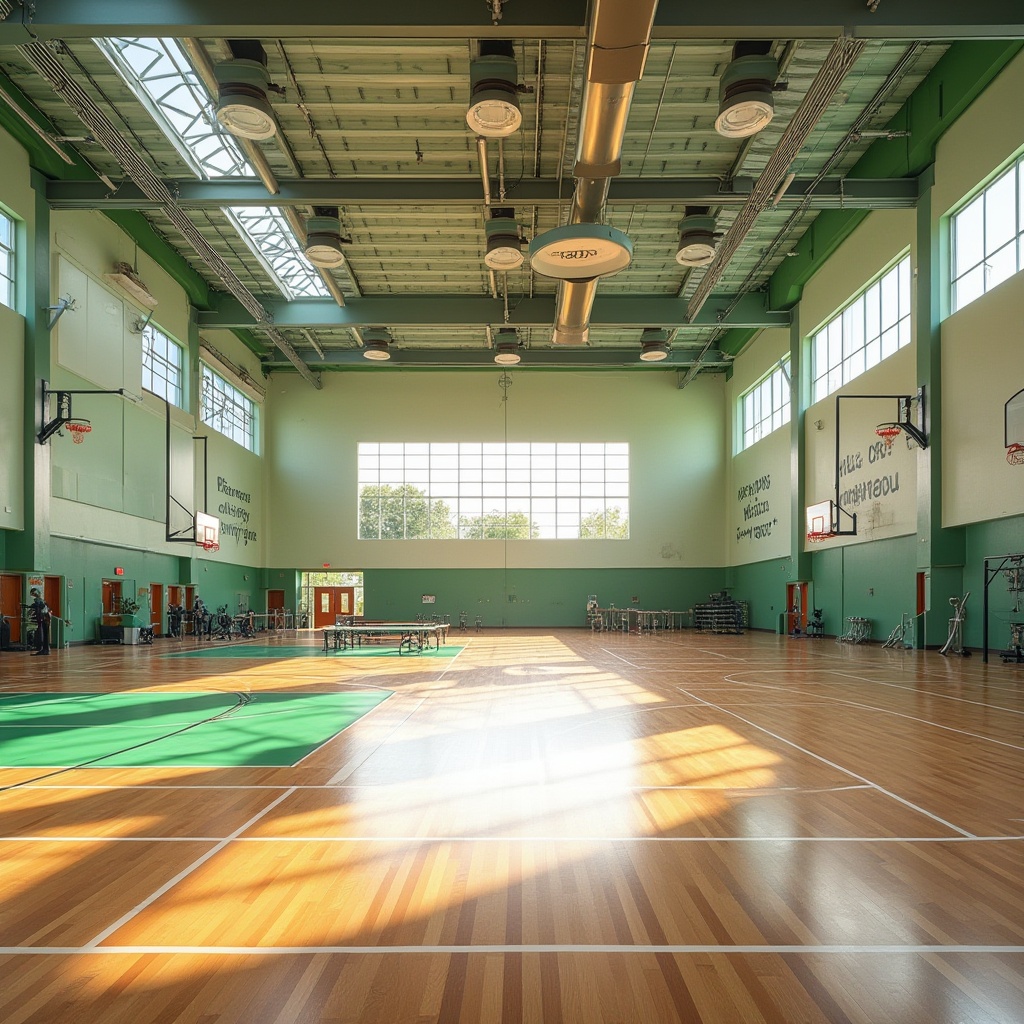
(822, 519)
(207, 531)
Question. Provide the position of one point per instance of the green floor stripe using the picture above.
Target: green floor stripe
(61, 730)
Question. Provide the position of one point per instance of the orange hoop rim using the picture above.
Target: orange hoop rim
(888, 432)
(78, 429)
(814, 537)
(1015, 455)
(209, 545)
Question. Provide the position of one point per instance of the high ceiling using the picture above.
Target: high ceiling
(372, 121)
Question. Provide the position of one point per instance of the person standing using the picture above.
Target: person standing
(41, 616)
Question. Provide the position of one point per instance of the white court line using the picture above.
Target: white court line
(413, 787)
(614, 655)
(882, 711)
(888, 949)
(832, 764)
(426, 839)
(930, 693)
(184, 873)
(331, 739)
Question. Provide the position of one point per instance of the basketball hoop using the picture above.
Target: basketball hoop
(78, 428)
(815, 537)
(209, 545)
(888, 432)
(1015, 455)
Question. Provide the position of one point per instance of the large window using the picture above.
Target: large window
(869, 329)
(162, 361)
(987, 237)
(6, 260)
(228, 410)
(476, 491)
(765, 407)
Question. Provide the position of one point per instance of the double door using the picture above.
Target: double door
(330, 602)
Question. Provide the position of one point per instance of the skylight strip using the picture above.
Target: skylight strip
(160, 75)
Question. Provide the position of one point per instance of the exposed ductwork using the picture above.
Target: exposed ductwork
(619, 37)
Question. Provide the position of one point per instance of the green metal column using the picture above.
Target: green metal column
(800, 401)
(29, 549)
(941, 553)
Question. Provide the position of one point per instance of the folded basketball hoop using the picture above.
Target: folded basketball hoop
(78, 428)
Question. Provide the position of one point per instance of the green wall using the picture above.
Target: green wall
(763, 586)
(531, 597)
(85, 565)
(877, 581)
(997, 537)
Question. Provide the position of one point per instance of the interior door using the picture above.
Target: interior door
(156, 607)
(796, 607)
(330, 602)
(11, 585)
(53, 591)
(111, 602)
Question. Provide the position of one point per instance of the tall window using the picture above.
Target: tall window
(6, 260)
(765, 407)
(987, 237)
(162, 361)
(474, 491)
(228, 410)
(869, 329)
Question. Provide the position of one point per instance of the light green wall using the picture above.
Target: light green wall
(763, 586)
(986, 540)
(676, 443)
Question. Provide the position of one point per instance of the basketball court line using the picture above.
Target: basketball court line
(884, 711)
(429, 839)
(944, 696)
(183, 874)
(889, 949)
(838, 767)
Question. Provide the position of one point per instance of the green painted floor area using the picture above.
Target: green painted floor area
(255, 651)
(141, 729)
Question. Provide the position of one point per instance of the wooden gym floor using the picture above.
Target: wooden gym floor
(550, 826)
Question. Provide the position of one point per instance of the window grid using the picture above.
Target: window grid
(477, 491)
(162, 360)
(766, 406)
(228, 410)
(988, 234)
(6, 260)
(869, 329)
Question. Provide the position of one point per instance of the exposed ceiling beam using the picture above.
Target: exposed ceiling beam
(592, 358)
(845, 194)
(550, 19)
(477, 310)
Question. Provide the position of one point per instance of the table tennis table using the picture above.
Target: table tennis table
(411, 637)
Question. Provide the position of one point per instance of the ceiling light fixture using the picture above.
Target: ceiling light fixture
(376, 341)
(696, 237)
(504, 246)
(745, 100)
(653, 345)
(506, 347)
(323, 238)
(494, 91)
(580, 252)
(242, 104)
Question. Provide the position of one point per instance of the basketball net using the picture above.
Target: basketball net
(888, 432)
(1015, 455)
(78, 428)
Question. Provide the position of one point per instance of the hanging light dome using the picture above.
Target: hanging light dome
(494, 96)
(506, 347)
(504, 246)
(653, 345)
(323, 239)
(578, 252)
(696, 238)
(376, 342)
(745, 91)
(242, 104)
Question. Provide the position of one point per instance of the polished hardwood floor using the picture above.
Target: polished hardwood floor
(550, 827)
